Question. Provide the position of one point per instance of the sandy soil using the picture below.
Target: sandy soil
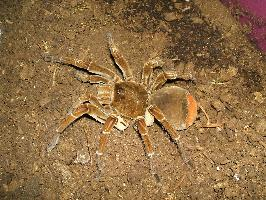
(228, 163)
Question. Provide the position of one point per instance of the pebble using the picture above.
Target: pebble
(197, 20)
(178, 6)
(260, 127)
(218, 105)
(259, 97)
(220, 185)
(228, 74)
(27, 72)
(44, 101)
(171, 16)
(83, 156)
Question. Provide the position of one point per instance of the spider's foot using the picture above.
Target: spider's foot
(110, 38)
(185, 157)
(53, 143)
(99, 165)
(153, 170)
(49, 58)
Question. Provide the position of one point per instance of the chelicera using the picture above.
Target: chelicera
(121, 101)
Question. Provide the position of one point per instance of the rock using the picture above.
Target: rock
(27, 71)
(258, 97)
(178, 6)
(218, 105)
(260, 127)
(83, 156)
(227, 74)
(171, 16)
(197, 20)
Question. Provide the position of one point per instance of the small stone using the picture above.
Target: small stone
(258, 97)
(229, 98)
(171, 16)
(260, 127)
(218, 105)
(70, 35)
(27, 72)
(13, 185)
(228, 74)
(220, 185)
(45, 101)
(231, 192)
(73, 3)
(178, 6)
(83, 157)
(197, 20)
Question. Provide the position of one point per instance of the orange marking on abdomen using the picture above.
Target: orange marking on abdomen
(191, 109)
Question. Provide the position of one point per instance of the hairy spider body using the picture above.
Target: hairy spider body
(177, 104)
(121, 100)
(130, 99)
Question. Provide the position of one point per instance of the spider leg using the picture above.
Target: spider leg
(108, 126)
(158, 114)
(119, 59)
(89, 65)
(90, 98)
(148, 69)
(143, 130)
(209, 124)
(95, 79)
(105, 93)
(79, 111)
(162, 77)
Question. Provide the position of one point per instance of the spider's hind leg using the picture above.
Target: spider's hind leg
(209, 124)
(164, 76)
(175, 136)
(78, 112)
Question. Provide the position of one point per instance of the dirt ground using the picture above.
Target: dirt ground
(227, 162)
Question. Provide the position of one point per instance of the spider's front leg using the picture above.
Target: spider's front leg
(119, 59)
(89, 65)
(143, 130)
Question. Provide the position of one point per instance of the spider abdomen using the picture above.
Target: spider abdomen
(130, 99)
(177, 104)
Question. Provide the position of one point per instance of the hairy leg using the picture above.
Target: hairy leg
(143, 130)
(119, 59)
(186, 73)
(209, 124)
(88, 65)
(93, 79)
(108, 126)
(77, 112)
(157, 113)
(148, 69)
(88, 98)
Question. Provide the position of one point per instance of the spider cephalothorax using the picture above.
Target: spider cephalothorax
(130, 99)
(120, 100)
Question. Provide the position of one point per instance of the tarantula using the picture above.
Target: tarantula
(121, 100)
